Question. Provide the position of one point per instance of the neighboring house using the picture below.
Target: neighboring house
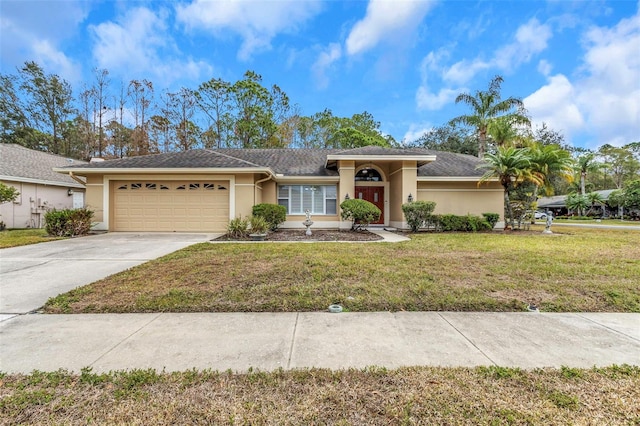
(558, 204)
(201, 190)
(41, 189)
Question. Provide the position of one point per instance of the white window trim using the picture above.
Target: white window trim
(302, 188)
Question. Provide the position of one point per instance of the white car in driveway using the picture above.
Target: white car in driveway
(540, 215)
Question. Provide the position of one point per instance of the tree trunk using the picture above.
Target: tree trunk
(508, 209)
(482, 143)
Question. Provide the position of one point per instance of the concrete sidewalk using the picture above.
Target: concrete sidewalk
(267, 341)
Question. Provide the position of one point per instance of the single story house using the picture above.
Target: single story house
(41, 189)
(201, 190)
(558, 204)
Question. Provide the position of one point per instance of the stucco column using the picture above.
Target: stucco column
(347, 171)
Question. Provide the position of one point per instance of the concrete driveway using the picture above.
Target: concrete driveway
(29, 275)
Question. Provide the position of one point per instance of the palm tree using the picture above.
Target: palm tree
(548, 161)
(595, 199)
(486, 106)
(586, 164)
(577, 202)
(511, 166)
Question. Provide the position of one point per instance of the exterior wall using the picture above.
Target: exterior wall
(463, 198)
(245, 195)
(403, 182)
(34, 201)
(95, 199)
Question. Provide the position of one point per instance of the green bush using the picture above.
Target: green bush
(68, 222)
(360, 212)
(468, 223)
(418, 214)
(492, 218)
(258, 225)
(274, 214)
(237, 228)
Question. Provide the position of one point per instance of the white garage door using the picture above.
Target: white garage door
(180, 206)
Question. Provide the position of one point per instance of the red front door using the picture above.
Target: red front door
(375, 195)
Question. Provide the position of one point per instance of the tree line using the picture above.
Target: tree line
(42, 111)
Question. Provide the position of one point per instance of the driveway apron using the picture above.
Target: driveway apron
(30, 275)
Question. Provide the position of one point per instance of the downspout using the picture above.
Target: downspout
(255, 186)
(77, 179)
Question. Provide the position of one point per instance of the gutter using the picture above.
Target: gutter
(76, 178)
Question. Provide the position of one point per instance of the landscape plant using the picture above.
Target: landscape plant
(274, 214)
(491, 218)
(68, 222)
(237, 228)
(418, 213)
(258, 225)
(360, 212)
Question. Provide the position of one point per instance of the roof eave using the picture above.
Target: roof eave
(453, 179)
(40, 181)
(166, 170)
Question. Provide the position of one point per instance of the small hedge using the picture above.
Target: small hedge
(418, 214)
(492, 218)
(274, 214)
(68, 222)
(360, 212)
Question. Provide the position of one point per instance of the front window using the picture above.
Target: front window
(318, 199)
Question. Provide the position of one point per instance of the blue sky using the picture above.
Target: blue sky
(575, 64)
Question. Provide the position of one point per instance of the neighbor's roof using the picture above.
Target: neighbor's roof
(559, 201)
(289, 161)
(20, 164)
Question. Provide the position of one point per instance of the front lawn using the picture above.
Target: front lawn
(374, 396)
(22, 237)
(577, 270)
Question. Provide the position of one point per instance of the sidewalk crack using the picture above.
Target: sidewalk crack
(468, 340)
(293, 338)
(108, 351)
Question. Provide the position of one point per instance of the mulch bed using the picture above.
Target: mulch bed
(317, 235)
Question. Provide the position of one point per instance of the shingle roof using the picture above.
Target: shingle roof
(289, 162)
(451, 164)
(19, 163)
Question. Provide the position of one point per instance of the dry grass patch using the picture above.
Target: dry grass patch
(416, 395)
(578, 270)
(23, 237)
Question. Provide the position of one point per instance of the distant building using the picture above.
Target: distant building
(41, 189)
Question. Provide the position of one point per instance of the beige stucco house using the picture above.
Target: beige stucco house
(41, 189)
(201, 190)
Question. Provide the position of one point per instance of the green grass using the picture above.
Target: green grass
(22, 237)
(577, 270)
(412, 395)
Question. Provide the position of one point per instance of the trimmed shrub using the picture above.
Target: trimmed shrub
(492, 218)
(68, 222)
(237, 228)
(274, 214)
(418, 214)
(469, 223)
(360, 212)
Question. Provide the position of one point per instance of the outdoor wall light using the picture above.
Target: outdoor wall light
(410, 198)
(346, 197)
(70, 192)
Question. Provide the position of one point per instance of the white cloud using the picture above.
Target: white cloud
(531, 39)
(256, 22)
(555, 105)
(138, 44)
(34, 34)
(604, 98)
(544, 67)
(326, 58)
(415, 131)
(385, 19)
(425, 99)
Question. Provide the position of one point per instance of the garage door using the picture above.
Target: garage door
(181, 206)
